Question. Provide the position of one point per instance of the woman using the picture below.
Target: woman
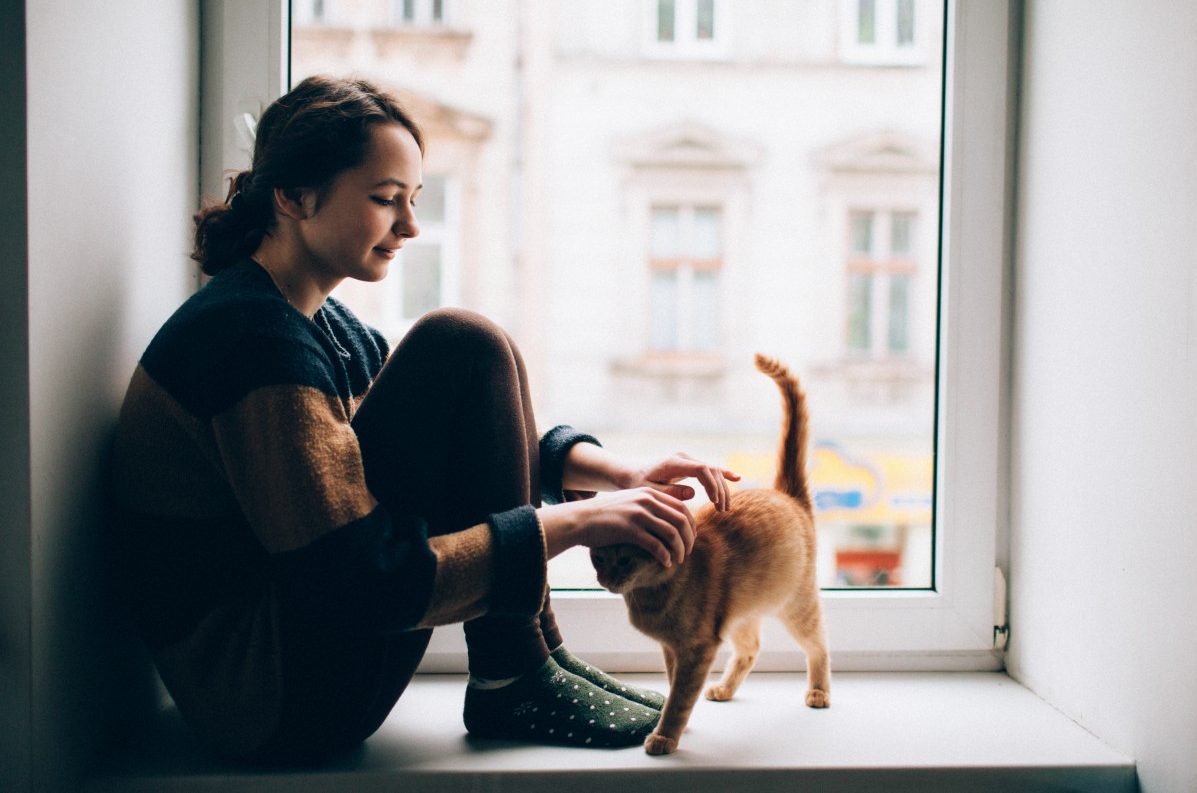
(295, 516)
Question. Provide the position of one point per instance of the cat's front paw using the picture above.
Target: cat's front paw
(656, 743)
(816, 698)
(720, 693)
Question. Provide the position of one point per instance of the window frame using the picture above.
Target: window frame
(885, 50)
(950, 627)
(688, 45)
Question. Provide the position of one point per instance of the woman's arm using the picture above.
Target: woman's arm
(591, 467)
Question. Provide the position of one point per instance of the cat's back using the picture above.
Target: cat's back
(760, 546)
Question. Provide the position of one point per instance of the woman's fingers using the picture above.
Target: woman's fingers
(713, 479)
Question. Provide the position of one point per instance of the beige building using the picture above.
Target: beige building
(646, 192)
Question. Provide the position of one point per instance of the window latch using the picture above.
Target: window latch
(1001, 618)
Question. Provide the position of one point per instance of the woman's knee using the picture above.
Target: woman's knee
(458, 331)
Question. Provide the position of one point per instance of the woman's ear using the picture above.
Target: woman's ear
(297, 203)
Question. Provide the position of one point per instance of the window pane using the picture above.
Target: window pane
(905, 22)
(860, 230)
(706, 20)
(438, 11)
(704, 310)
(866, 22)
(809, 224)
(666, 233)
(899, 313)
(900, 229)
(665, 20)
(704, 236)
(860, 311)
(430, 203)
(421, 278)
(663, 311)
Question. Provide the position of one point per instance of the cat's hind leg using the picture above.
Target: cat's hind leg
(803, 618)
(746, 646)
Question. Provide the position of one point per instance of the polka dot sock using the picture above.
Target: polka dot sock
(554, 706)
(571, 663)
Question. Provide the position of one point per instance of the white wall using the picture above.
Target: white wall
(1104, 512)
(111, 122)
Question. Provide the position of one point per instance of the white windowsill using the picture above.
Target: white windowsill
(884, 731)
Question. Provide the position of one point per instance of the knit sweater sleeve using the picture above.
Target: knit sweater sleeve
(295, 467)
(554, 448)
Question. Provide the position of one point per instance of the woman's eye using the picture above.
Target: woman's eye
(386, 202)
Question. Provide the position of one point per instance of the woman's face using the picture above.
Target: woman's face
(361, 220)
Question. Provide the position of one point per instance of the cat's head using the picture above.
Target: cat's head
(622, 568)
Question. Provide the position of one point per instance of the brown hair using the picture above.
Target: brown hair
(304, 139)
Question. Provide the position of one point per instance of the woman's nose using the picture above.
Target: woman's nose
(406, 224)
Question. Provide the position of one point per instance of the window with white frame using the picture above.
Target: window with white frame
(880, 269)
(685, 260)
(881, 32)
(312, 12)
(420, 13)
(686, 28)
(948, 626)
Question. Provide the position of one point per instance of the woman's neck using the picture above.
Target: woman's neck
(298, 281)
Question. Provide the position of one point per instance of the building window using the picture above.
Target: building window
(685, 260)
(423, 264)
(880, 266)
(419, 13)
(686, 28)
(311, 12)
(880, 32)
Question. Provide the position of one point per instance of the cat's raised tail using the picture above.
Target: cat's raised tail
(791, 469)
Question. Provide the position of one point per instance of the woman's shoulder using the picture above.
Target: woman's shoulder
(234, 334)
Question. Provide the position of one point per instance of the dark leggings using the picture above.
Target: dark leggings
(446, 433)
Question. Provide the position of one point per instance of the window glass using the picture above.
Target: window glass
(421, 274)
(905, 22)
(666, 227)
(860, 311)
(866, 22)
(640, 245)
(664, 310)
(900, 230)
(705, 28)
(899, 313)
(861, 230)
(704, 238)
(666, 11)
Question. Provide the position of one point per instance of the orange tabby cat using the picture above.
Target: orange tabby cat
(757, 558)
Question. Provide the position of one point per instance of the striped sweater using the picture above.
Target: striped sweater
(240, 496)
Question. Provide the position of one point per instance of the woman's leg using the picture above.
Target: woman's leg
(448, 433)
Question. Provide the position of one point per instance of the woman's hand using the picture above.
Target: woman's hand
(647, 517)
(666, 474)
(589, 468)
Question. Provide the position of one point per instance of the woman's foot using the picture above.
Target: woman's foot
(571, 663)
(552, 705)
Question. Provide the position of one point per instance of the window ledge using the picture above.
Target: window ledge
(884, 731)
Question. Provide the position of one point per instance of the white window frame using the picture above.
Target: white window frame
(948, 628)
(685, 44)
(884, 51)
